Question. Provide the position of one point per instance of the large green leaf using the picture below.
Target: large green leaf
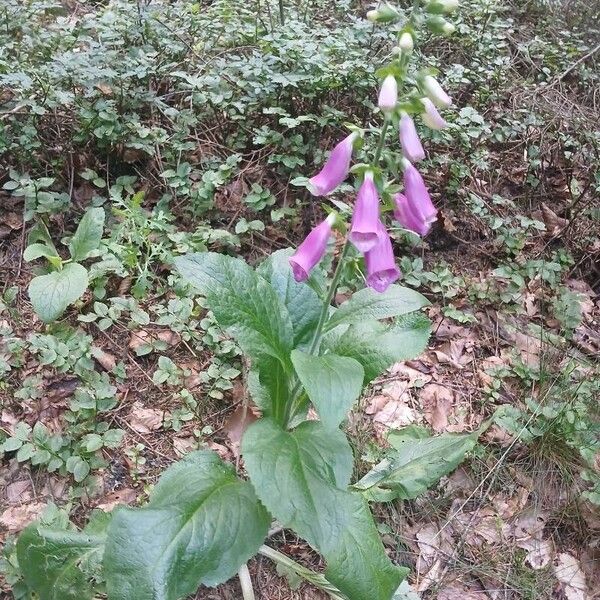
(58, 564)
(302, 302)
(242, 302)
(268, 385)
(51, 294)
(88, 235)
(201, 524)
(333, 383)
(368, 305)
(302, 476)
(417, 462)
(377, 346)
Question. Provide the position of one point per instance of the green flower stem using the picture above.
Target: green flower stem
(246, 583)
(314, 344)
(311, 576)
(384, 128)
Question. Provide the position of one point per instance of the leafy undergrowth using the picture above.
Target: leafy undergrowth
(178, 128)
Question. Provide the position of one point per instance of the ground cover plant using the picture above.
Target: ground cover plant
(380, 381)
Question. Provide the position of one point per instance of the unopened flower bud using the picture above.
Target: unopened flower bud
(436, 93)
(439, 7)
(437, 24)
(388, 95)
(396, 51)
(406, 42)
(384, 14)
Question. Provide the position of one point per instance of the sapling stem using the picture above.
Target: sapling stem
(246, 583)
(316, 579)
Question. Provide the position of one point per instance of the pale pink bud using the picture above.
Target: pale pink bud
(409, 140)
(431, 117)
(388, 95)
(435, 92)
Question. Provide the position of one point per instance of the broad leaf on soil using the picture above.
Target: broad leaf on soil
(51, 294)
(201, 524)
(242, 302)
(302, 476)
(302, 302)
(417, 462)
(377, 346)
(88, 235)
(369, 305)
(59, 564)
(333, 383)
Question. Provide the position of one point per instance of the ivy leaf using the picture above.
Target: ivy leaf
(333, 383)
(51, 294)
(201, 524)
(57, 564)
(301, 477)
(368, 305)
(417, 462)
(88, 235)
(377, 346)
(242, 302)
(302, 302)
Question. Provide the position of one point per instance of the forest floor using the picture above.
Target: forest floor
(158, 122)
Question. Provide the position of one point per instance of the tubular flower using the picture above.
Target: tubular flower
(388, 95)
(417, 195)
(408, 218)
(365, 219)
(409, 140)
(431, 117)
(335, 169)
(311, 250)
(435, 92)
(381, 264)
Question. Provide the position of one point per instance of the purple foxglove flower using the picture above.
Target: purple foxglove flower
(381, 264)
(311, 250)
(408, 218)
(409, 140)
(365, 218)
(388, 95)
(335, 169)
(417, 195)
(431, 117)
(435, 92)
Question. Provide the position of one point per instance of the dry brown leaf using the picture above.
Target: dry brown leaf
(554, 223)
(16, 518)
(437, 401)
(411, 375)
(13, 220)
(184, 445)
(568, 571)
(222, 451)
(460, 593)
(123, 496)
(395, 389)
(107, 361)
(145, 420)
(395, 414)
(237, 423)
(376, 404)
(19, 491)
(453, 352)
(528, 531)
(139, 337)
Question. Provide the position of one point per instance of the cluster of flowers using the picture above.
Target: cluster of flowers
(413, 209)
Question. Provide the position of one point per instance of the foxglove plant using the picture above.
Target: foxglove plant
(203, 521)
